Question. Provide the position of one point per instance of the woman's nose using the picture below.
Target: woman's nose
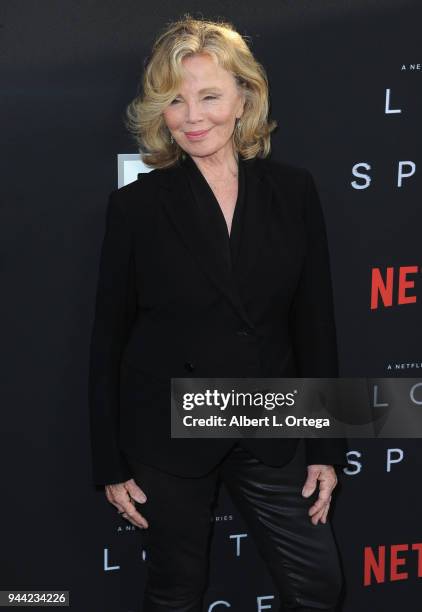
(193, 111)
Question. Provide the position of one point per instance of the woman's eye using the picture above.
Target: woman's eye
(209, 97)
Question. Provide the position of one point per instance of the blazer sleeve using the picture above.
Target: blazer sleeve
(115, 311)
(312, 320)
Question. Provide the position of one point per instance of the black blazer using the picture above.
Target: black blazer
(171, 302)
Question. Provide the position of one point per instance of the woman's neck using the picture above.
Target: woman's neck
(218, 169)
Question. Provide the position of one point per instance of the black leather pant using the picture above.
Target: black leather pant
(302, 558)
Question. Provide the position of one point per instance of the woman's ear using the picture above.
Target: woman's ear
(243, 101)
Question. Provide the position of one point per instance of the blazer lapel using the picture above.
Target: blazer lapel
(182, 209)
(251, 242)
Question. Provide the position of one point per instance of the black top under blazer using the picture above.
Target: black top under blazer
(178, 297)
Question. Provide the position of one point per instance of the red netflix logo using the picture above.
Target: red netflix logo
(386, 286)
(387, 563)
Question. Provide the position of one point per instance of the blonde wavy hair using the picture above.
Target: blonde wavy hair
(162, 77)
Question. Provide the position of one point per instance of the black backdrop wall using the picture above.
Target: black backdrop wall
(346, 74)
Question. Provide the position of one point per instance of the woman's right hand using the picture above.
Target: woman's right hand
(121, 495)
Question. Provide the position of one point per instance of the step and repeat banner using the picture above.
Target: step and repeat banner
(346, 89)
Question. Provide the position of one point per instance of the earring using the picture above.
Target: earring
(171, 139)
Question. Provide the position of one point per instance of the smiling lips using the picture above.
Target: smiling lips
(196, 135)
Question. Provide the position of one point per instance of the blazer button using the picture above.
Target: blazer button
(189, 366)
(243, 332)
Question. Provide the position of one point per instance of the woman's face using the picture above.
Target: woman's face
(208, 103)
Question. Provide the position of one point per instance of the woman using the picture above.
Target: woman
(214, 264)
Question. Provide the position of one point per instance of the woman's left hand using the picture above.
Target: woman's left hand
(327, 477)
